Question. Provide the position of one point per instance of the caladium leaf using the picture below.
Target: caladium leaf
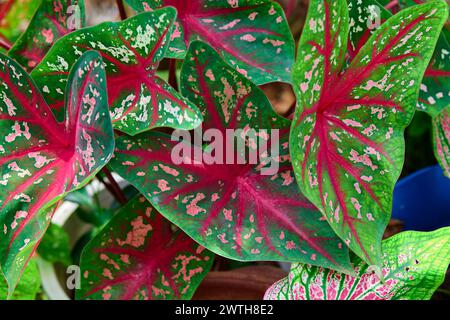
(42, 159)
(414, 266)
(140, 255)
(441, 136)
(435, 88)
(434, 91)
(391, 5)
(132, 49)
(242, 210)
(347, 139)
(251, 35)
(52, 20)
(15, 16)
(409, 3)
(435, 95)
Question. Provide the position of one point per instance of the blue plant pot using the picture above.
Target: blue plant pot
(422, 200)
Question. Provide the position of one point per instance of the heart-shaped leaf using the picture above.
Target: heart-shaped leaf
(52, 20)
(365, 18)
(441, 137)
(347, 139)
(41, 159)
(238, 208)
(15, 16)
(251, 35)
(139, 100)
(28, 287)
(435, 88)
(435, 93)
(414, 266)
(140, 255)
(409, 3)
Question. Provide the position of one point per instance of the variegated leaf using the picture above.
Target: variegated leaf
(434, 96)
(435, 88)
(243, 209)
(251, 35)
(15, 16)
(132, 49)
(52, 20)
(140, 255)
(28, 287)
(409, 3)
(365, 18)
(347, 137)
(414, 266)
(41, 159)
(441, 138)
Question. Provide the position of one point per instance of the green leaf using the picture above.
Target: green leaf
(435, 93)
(414, 266)
(41, 159)
(140, 255)
(97, 216)
(242, 209)
(251, 35)
(409, 3)
(347, 141)
(364, 17)
(435, 88)
(52, 20)
(435, 100)
(29, 285)
(55, 245)
(441, 139)
(132, 49)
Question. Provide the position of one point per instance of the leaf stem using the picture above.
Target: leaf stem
(114, 187)
(173, 74)
(123, 13)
